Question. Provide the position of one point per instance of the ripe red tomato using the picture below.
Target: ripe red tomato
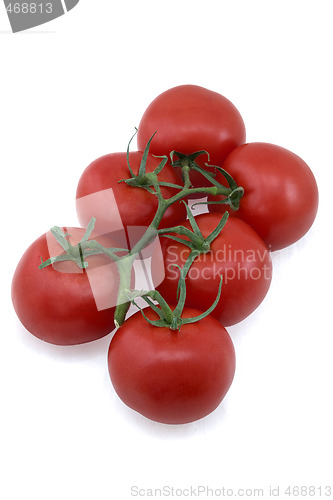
(172, 377)
(238, 254)
(114, 204)
(189, 118)
(63, 304)
(281, 194)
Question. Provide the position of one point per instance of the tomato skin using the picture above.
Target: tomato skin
(281, 194)
(57, 304)
(238, 254)
(172, 377)
(136, 206)
(190, 118)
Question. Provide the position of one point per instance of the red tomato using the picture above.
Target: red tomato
(63, 304)
(281, 194)
(238, 254)
(171, 376)
(114, 204)
(190, 118)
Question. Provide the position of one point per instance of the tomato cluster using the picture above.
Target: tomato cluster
(172, 361)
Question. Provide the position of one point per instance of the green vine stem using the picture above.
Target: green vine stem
(168, 317)
(150, 182)
(150, 235)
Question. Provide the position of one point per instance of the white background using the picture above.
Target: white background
(72, 90)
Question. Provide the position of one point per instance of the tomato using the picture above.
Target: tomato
(237, 253)
(61, 303)
(115, 204)
(171, 376)
(281, 194)
(189, 118)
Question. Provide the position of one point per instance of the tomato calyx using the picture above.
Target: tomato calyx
(144, 179)
(194, 239)
(232, 194)
(236, 192)
(78, 253)
(151, 182)
(168, 317)
(187, 163)
(72, 252)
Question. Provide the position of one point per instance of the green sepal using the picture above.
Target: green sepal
(60, 258)
(162, 164)
(208, 175)
(234, 198)
(214, 234)
(153, 306)
(171, 185)
(59, 235)
(142, 168)
(157, 322)
(180, 281)
(193, 223)
(230, 180)
(180, 240)
(186, 160)
(146, 180)
(139, 180)
(85, 248)
(127, 154)
(185, 321)
(89, 230)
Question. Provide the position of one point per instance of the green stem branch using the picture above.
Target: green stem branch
(149, 237)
